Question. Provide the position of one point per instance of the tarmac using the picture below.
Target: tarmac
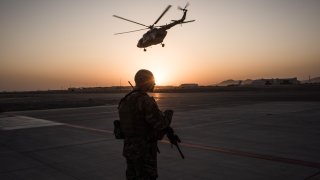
(221, 139)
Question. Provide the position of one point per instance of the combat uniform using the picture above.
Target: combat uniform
(142, 124)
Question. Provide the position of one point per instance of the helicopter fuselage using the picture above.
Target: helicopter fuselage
(152, 37)
(156, 34)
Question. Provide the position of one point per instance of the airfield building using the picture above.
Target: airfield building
(189, 86)
(277, 81)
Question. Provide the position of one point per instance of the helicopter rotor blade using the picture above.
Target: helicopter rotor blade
(168, 7)
(129, 20)
(130, 31)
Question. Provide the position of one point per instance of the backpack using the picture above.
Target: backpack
(117, 131)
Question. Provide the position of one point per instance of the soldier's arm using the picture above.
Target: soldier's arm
(153, 115)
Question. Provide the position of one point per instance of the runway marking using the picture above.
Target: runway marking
(253, 155)
(24, 122)
(225, 150)
(71, 108)
(88, 128)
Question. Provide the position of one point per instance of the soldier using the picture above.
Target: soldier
(142, 124)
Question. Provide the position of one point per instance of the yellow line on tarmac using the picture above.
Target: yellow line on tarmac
(88, 128)
(223, 150)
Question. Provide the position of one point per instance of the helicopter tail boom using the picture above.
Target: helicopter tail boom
(179, 21)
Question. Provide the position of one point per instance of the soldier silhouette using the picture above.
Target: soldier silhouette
(142, 124)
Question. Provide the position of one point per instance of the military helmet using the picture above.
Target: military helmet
(144, 78)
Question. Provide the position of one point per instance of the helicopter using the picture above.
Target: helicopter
(156, 34)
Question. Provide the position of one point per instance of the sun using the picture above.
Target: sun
(162, 69)
(160, 77)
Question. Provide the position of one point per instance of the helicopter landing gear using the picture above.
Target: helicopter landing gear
(162, 45)
(144, 49)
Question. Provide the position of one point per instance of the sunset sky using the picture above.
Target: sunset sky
(56, 44)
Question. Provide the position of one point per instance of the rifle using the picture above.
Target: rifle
(174, 139)
(130, 84)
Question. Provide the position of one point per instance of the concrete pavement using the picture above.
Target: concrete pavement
(221, 140)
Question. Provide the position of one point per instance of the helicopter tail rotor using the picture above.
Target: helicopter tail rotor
(185, 7)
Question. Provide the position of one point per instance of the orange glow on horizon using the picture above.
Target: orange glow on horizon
(57, 44)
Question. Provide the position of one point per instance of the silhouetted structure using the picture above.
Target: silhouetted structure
(277, 81)
(189, 86)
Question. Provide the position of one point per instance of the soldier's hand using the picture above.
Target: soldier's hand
(168, 115)
(168, 111)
